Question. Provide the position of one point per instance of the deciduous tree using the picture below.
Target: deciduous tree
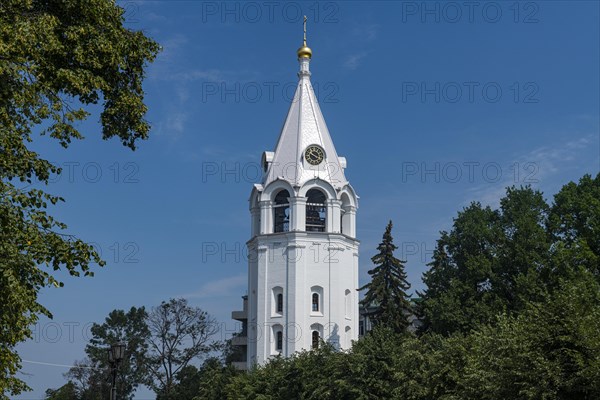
(489, 263)
(549, 351)
(214, 379)
(91, 380)
(127, 327)
(56, 57)
(65, 392)
(574, 224)
(179, 333)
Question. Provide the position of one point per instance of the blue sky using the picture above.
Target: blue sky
(433, 104)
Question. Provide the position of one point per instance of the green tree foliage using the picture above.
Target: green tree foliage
(386, 365)
(318, 374)
(513, 302)
(187, 384)
(214, 378)
(56, 57)
(65, 392)
(387, 290)
(372, 363)
(91, 376)
(120, 326)
(179, 333)
(574, 224)
(232, 353)
(159, 349)
(208, 382)
(536, 333)
(549, 351)
(90, 379)
(489, 263)
(382, 365)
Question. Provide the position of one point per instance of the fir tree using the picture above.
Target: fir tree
(386, 293)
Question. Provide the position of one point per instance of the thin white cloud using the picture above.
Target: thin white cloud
(550, 160)
(221, 287)
(366, 32)
(363, 34)
(538, 167)
(183, 94)
(167, 67)
(168, 64)
(154, 17)
(196, 74)
(176, 122)
(172, 126)
(352, 62)
(172, 66)
(170, 49)
(488, 195)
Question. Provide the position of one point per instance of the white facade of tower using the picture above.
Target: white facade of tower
(303, 252)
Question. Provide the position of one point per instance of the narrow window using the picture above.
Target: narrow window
(277, 302)
(279, 344)
(276, 339)
(281, 210)
(315, 302)
(280, 303)
(315, 340)
(316, 211)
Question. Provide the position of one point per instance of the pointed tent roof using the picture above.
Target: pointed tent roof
(305, 126)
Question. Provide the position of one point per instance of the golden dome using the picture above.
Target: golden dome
(304, 52)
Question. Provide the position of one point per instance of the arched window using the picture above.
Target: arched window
(315, 339)
(316, 211)
(279, 303)
(281, 210)
(276, 339)
(315, 302)
(279, 341)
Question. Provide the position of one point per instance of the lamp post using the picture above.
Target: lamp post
(115, 355)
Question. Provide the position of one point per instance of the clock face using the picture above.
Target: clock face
(314, 155)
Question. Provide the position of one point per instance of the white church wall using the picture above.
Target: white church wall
(299, 259)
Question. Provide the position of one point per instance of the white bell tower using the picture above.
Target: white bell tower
(303, 252)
